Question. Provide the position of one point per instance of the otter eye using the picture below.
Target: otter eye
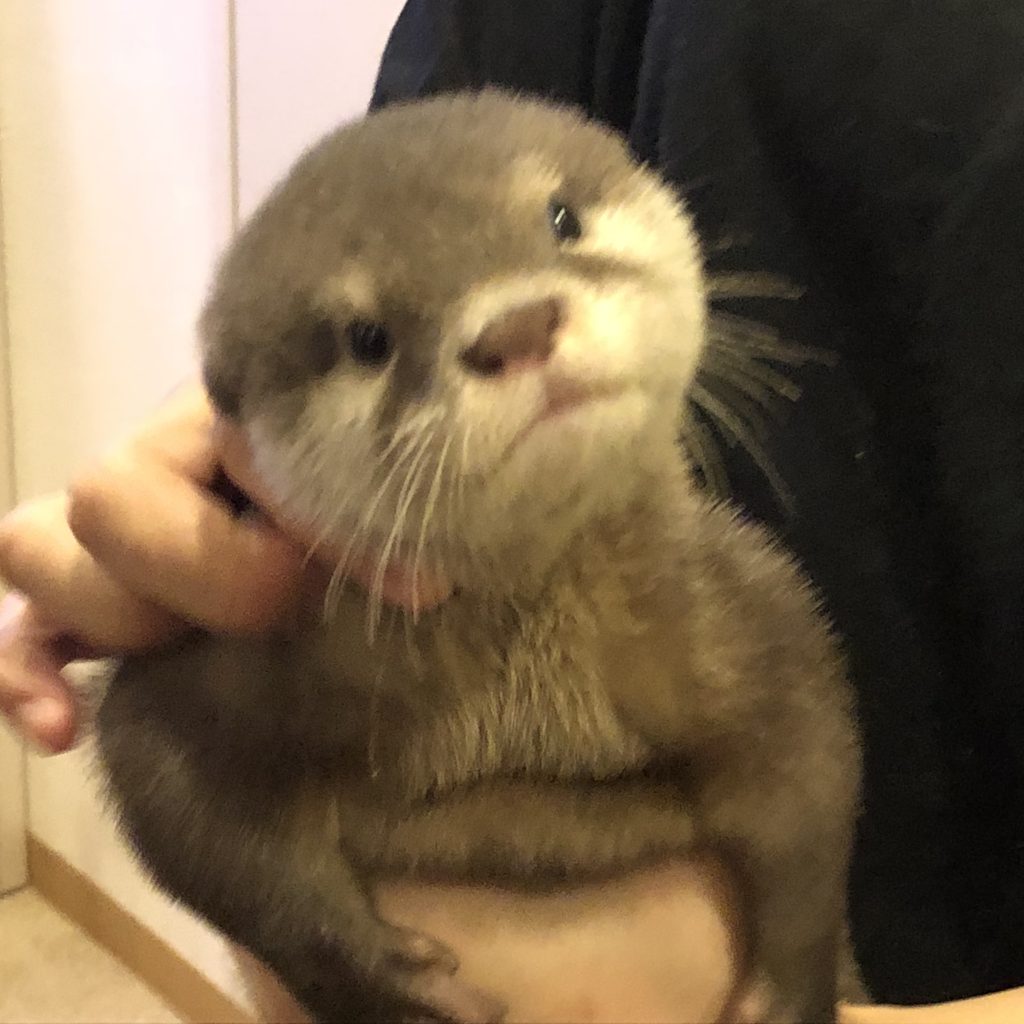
(370, 342)
(564, 221)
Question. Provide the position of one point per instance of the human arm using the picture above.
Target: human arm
(161, 552)
(998, 1008)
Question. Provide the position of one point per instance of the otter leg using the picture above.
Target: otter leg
(542, 835)
(251, 844)
(791, 864)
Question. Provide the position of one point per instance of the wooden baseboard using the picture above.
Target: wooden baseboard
(176, 981)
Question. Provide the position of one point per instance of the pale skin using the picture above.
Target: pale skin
(138, 547)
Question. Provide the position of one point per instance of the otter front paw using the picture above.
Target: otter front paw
(404, 976)
(422, 973)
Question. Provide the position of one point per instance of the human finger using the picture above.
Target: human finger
(34, 696)
(148, 516)
(41, 558)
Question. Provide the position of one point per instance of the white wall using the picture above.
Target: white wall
(303, 67)
(117, 197)
(117, 180)
(12, 753)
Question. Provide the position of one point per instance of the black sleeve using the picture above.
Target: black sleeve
(583, 52)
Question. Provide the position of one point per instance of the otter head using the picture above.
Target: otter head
(456, 327)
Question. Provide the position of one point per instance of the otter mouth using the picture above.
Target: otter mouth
(562, 397)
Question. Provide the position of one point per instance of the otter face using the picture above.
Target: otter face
(456, 322)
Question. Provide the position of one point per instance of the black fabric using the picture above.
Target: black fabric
(873, 151)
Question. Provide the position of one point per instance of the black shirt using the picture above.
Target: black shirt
(873, 152)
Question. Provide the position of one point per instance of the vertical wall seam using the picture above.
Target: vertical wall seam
(10, 464)
(233, 130)
(9, 459)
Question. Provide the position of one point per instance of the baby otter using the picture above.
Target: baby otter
(457, 336)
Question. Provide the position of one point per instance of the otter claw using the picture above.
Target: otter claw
(411, 950)
(423, 971)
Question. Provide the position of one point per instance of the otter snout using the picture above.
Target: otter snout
(517, 340)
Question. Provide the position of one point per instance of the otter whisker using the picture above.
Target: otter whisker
(760, 372)
(314, 546)
(311, 455)
(740, 433)
(757, 418)
(405, 499)
(328, 527)
(738, 389)
(727, 243)
(451, 491)
(463, 466)
(451, 482)
(751, 375)
(764, 409)
(408, 436)
(427, 515)
(413, 427)
(702, 452)
(338, 573)
(762, 341)
(365, 522)
(754, 285)
(470, 552)
(362, 528)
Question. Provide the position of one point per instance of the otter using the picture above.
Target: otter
(457, 336)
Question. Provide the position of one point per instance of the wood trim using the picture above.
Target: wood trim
(191, 995)
(13, 871)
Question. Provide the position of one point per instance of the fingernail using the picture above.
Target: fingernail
(43, 719)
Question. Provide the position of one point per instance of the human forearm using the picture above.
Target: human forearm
(998, 1008)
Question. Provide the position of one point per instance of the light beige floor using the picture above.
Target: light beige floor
(51, 972)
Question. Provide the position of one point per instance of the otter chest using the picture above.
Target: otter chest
(522, 700)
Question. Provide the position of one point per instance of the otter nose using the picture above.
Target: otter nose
(517, 340)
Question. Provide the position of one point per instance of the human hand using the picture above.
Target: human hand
(137, 550)
(655, 945)
(998, 1008)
